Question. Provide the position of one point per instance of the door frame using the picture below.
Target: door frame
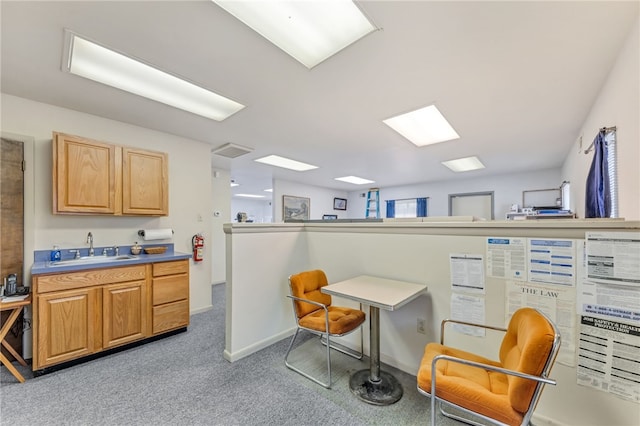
(473, 194)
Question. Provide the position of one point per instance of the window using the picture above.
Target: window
(407, 207)
(610, 139)
(601, 198)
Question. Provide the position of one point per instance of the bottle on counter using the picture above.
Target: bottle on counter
(55, 254)
(136, 249)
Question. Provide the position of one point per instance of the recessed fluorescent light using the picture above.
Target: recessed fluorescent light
(355, 180)
(424, 126)
(310, 31)
(464, 164)
(268, 190)
(248, 195)
(276, 160)
(87, 59)
(234, 184)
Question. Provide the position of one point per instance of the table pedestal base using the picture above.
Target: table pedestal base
(384, 392)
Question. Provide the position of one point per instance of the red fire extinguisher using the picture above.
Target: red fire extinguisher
(197, 242)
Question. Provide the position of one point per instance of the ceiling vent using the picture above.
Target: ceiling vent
(230, 150)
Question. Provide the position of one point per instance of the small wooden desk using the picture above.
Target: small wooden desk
(16, 307)
(372, 385)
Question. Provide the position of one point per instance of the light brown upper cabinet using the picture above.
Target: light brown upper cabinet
(144, 182)
(93, 177)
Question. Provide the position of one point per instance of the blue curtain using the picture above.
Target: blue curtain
(421, 207)
(391, 208)
(598, 198)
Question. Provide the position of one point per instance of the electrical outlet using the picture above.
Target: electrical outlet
(421, 328)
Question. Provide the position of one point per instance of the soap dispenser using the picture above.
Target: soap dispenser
(55, 254)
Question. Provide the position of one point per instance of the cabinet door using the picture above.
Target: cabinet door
(145, 187)
(84, 176)
(124, 313)
(66, 326)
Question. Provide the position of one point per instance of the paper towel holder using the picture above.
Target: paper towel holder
(141, 232)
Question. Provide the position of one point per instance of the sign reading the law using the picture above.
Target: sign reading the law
(556, 301)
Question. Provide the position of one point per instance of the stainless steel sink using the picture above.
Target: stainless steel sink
(92, 259)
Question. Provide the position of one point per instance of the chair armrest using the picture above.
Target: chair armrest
(445, 321)
(312, 302)
(485, 367)
(320, 305)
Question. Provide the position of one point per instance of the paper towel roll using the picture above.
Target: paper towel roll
(156, 234)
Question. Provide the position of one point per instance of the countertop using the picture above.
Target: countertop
(42, 266)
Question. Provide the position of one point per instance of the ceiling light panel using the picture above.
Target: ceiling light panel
(87, 59)
(248, 196)
(355, 180)
(424, 126)
(310, 31)
(464, 164)
(287, 163)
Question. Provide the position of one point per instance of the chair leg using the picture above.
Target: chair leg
(308, 376)
(348, 351)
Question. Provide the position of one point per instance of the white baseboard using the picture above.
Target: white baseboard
(200, 310)
(248, 350)
(539, 420)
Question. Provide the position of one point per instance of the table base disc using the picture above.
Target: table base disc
(384, 392)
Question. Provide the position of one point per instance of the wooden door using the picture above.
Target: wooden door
(85, 178)
(12, 226)
(124, 313)
(66, 326)
(145, 187)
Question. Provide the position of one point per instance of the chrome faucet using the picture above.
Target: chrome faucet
(114, 249)
(90, 241)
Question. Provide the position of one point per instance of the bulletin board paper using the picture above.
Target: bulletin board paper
(506, 258)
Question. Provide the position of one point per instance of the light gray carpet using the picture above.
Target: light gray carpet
(184, 380)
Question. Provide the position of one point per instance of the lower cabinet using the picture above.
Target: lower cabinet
(76, 314)
(65, 327)
(170, 295)
(124, 313)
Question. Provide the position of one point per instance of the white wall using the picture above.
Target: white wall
(257, 210)
(507, 191)
(189, 207)
(220, 196)
(618, 104)
(321, 199)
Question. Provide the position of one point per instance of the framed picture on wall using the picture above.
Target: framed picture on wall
(295, 208)
(339, 204)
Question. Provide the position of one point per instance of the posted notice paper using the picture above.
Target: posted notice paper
(506, 258)
(552, 261)
(613, 257)
(609, 357)
(467, 273)
(557, 302)
(468, 308)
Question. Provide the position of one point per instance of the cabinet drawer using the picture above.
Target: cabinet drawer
(170, 268)
(171, 315)
(89, 278)
(170, 289)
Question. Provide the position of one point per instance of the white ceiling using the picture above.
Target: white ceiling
(515, 79)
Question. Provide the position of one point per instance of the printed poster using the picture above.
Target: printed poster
(609, 357)
(557, 302)
(506, 258)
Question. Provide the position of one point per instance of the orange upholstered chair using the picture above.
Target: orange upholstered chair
(314, 313)
(504, 391)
